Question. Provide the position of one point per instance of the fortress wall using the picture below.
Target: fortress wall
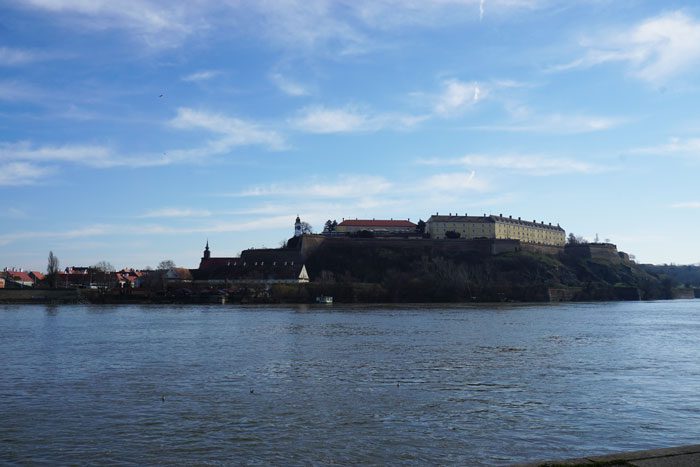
(551, 250)
(604, 251)
(419, 245)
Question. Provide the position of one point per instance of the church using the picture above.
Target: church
(254, 266)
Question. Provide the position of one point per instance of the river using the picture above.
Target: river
(467, 384)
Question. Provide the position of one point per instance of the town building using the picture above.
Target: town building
(376, 226)
(494, 227)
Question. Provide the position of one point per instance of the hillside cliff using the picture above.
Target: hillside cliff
(418, 271)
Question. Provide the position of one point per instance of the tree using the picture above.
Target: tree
(576, 239)
(52, 270)
(166, 264)
(306, 228)
(104, 266)
(330, 225)
(420, 227)
(452, 234)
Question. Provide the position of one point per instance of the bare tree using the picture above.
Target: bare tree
(166, 264)
(52, 270)
(104, 266)
(306, 228)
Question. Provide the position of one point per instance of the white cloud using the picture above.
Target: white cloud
(556, 123)
(530, 164)
(103, 230)
(203, 75)
(21, 159)
(22, 173)
(288, 86)
(175, 213)
(14, 91)
(235, 131)
(96, 156)
(325, 120)
(656, 49)
(349, 186)
(458, 96)
(455, 181)
(10, 56)
(687, 205)
(322, 120)
(299, 25)
(675, 146)
(158, 24)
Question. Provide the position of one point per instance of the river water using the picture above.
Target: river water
(465, 385)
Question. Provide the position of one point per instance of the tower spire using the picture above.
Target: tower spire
(207, 253)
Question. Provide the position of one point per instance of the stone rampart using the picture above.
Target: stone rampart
(601, 251)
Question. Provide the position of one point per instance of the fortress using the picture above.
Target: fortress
(495, 227)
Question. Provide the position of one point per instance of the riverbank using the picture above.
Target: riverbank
(348, 293)
(668, 457)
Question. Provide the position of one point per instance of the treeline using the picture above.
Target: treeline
(688, 276)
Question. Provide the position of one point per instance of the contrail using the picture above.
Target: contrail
(481, 9)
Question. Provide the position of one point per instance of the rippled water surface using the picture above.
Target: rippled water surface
(320, 385)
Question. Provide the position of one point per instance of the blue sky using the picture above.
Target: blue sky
(133, 131)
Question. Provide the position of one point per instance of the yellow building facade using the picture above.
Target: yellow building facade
(497, 227)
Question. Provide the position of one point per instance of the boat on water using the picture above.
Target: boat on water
(324, 299)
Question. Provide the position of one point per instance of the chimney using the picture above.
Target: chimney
(500, 215)
(510, 217)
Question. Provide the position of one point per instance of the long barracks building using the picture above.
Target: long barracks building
(498, 227)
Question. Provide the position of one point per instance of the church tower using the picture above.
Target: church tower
(207, 253)
(297, 227)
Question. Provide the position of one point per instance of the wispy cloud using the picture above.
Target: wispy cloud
(348, 186)
(26, 162)
(106, 230)
(458, 96)
(656, 49)
(158, 24)
(298, 25)
(556, 123)
(288, 86)
(455, 182)
(96, 156)
(203, 75)
(15, 91)
(175, 213)
(234, 131)
(319, 119)
(22, 173)
(535, 165)
(687, 205)
(674, 147)
(10, 56)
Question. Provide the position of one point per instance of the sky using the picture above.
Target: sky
(135, 131)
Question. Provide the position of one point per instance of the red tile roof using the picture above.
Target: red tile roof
(377, 223)
(39, 276)
(20, 276)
